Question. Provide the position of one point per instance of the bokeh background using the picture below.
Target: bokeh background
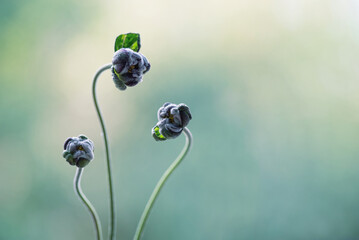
(273, 88)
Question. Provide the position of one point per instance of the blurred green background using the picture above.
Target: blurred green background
(273, 89)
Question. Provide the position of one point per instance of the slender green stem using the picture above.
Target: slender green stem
(78, 190)
(161, 182)
(112, 226)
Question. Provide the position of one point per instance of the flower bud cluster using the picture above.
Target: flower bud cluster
(78, 151)
(128, 68)
(172, 119)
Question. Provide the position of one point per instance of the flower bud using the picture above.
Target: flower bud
(78, 151)
(128, 68)
(172, 119)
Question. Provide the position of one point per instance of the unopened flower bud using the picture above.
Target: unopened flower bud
(128, 68)
(172, 119)
(78, 151)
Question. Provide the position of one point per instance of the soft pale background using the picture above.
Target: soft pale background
(273, 88)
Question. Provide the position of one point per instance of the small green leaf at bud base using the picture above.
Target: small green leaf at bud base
(157, 135)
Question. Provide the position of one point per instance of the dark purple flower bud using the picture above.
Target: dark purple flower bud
(78, 151)
(128, 68)
(172, 119)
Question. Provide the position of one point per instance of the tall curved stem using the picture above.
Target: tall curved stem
(87, 203)
(161, 182)
(112, 226)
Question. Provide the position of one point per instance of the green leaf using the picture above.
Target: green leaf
(128, 40)
(158, 134)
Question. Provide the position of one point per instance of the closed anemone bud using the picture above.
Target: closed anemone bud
(78, 151)
(128, 68)
(172, 119)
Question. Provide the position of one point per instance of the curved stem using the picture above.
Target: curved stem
(112, 226)
(161, 182)
(78, 190)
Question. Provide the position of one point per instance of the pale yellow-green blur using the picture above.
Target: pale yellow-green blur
(273, 88)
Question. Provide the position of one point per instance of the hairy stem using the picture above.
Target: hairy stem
(87, 203)
(161, 182)
(112, 226)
